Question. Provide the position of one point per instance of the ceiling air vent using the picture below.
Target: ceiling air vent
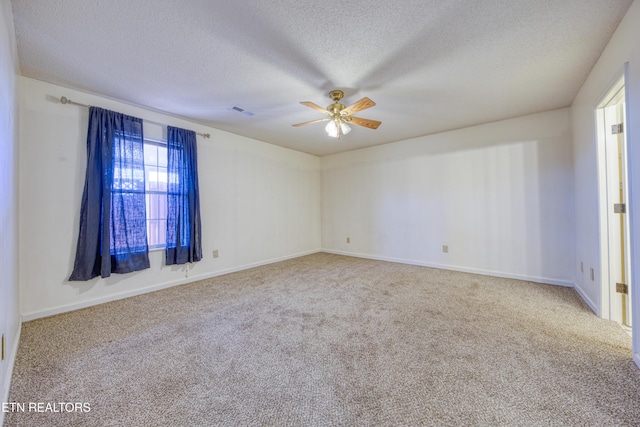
(242, 110)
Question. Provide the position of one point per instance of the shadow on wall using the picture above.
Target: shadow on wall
(502, 203)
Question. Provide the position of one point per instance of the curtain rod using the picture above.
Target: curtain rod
(65, 100)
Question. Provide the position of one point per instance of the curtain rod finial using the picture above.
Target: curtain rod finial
(64, 99)
(207, 135)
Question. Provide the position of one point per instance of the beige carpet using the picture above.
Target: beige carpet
(327, 340)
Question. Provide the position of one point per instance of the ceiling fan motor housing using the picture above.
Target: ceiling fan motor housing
(335, 108)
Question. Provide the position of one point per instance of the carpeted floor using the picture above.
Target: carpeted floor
(328, 340)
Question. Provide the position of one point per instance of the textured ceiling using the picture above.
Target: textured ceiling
(430, 65)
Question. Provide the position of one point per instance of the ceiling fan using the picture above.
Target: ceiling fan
(340, 116)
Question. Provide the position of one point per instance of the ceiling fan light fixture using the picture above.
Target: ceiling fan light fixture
(332, 128)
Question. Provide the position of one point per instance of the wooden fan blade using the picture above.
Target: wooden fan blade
(316, 107)
(311, 122)
(371, 124)
(364, 103)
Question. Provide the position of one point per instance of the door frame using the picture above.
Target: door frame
(610, 306)
(633, 203)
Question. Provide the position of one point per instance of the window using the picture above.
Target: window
(119, 225)
(126, 190)
(155, 169)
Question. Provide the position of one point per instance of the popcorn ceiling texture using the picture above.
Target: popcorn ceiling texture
(430, 65)
(332, 340)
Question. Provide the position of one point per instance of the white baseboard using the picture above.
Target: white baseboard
(544, 280)
(71, 307)
(6, 387)
(636, 358)
(587, 300)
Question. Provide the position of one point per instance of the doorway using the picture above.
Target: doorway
(616, 283)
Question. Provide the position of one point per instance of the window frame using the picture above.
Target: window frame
(157, 143)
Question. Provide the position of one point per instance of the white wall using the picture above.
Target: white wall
(622, 48)
(500, 195)
(259, 203)
(9, 305)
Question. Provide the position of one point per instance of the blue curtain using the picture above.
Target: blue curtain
(184, 233)
(113, 229)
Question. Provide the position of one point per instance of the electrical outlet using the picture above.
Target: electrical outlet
(592, 274)
(215, 253)
(348, 239)
(445, 249)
